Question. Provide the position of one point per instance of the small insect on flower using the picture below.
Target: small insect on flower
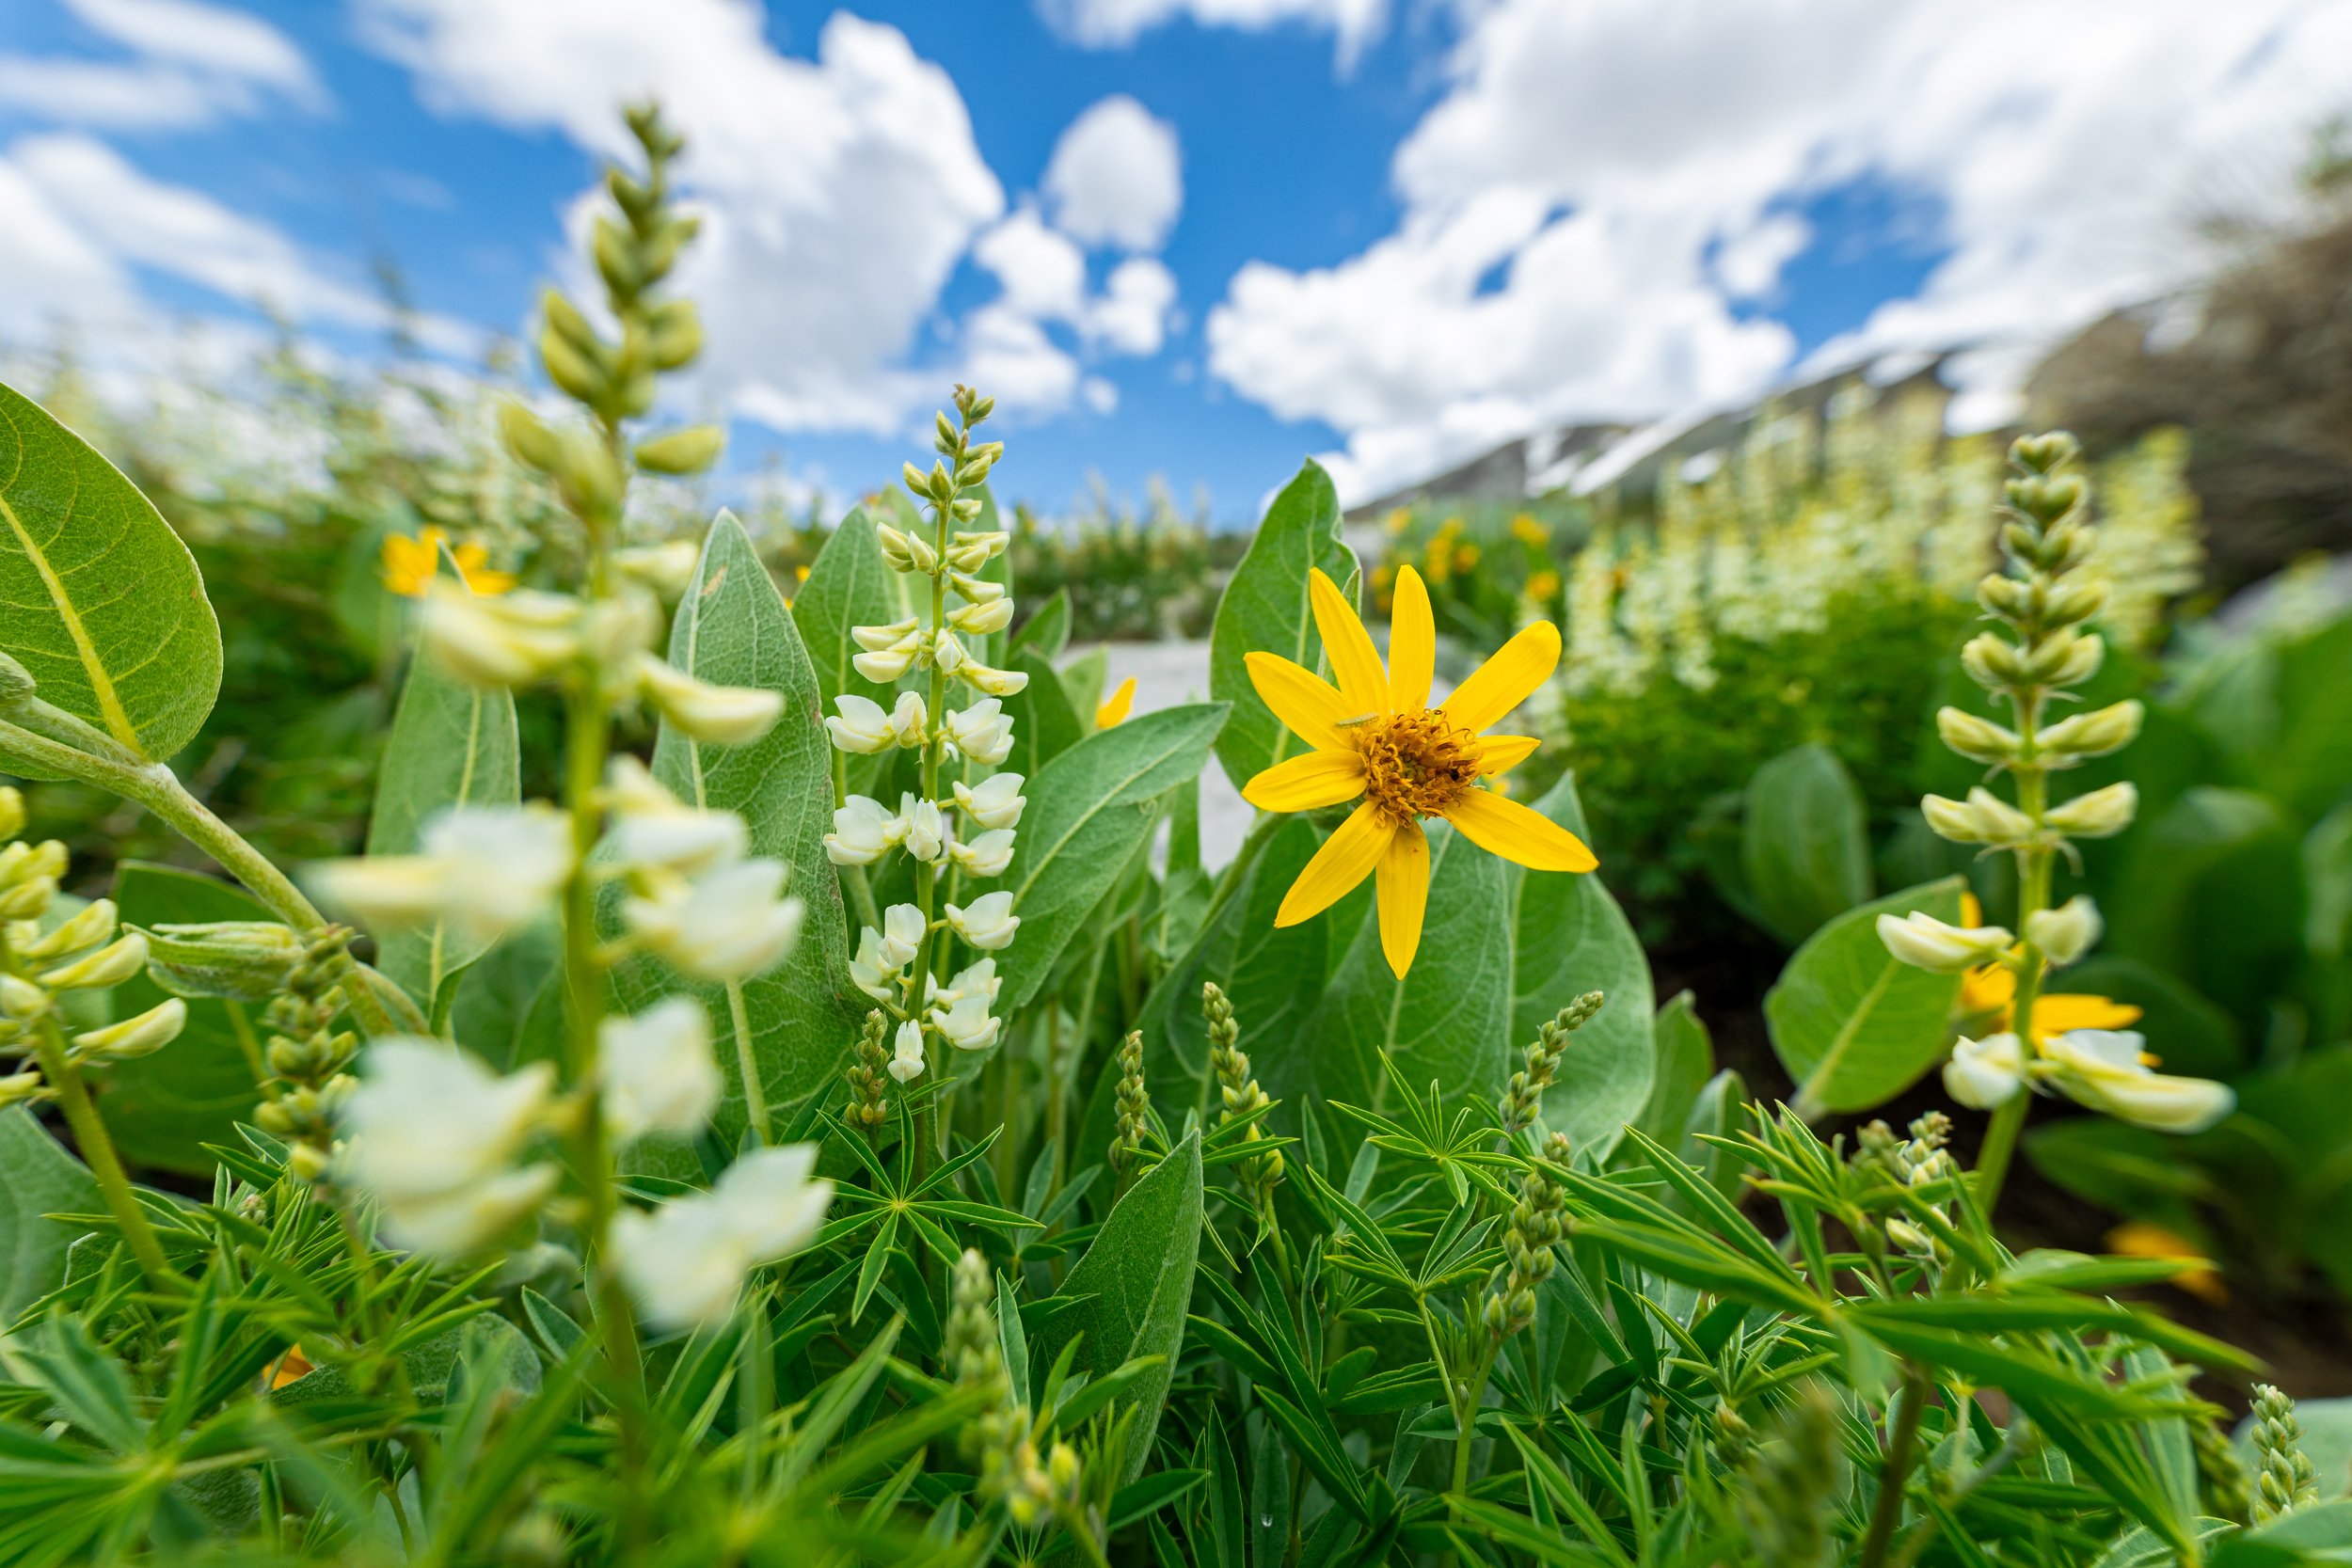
(1376, 736)
(410, 565)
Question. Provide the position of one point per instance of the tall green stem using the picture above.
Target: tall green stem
(1887, 1511)
(97, 1152)
(2033, 896)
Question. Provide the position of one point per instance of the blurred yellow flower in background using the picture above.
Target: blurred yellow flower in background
(1530, 531)
(1992, 989)
(2139, 1238)
(411, 564)
(1115, 706)
(1544, 585)
(1377, 736)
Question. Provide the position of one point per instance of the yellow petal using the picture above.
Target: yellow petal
(1412, 644)
(1114, 710)
(1519, 833)
(1344, 859)
(1353, 660)
(1302, 784)
(1500, 754)
(2059, 1011)
(1302, 700)
(1506, 679)
(1403, 893)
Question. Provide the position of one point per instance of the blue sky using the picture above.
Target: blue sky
(1391, 235)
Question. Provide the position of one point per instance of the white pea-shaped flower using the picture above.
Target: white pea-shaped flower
(991, 681)
(967, 1024)
(926, 830)
(656, 1071)
(861, 726)
(654, 830)
(995, 803)
(910, 722)
(902, 935)
(1985, 1074)
(686, 1261)
(432, 1132)
(489, 870)
(2108, 1070)
(863, 832)
(988, 924)
(1924, 942)
(906, 1054)
(983, 733)
(985, 856)
(719, 715)
(978, 620)
(516, 639)
(731, 924)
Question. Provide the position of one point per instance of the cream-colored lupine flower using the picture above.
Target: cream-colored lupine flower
(910, 722)
(2067, 932)
(927, 831)
(2108, 1070)
(656, 1072)
(991, 681)
(654, 830)
(890, 651)
(109, 966)
(667, 568)
(988, 924)
(1924, 942)
(2100, 813)
(19, 1088)
(965, 1025)
(92, 923)
(948, 654)
(906, 1053)
(906, 552)
(773, 1203)
(863, 832)
(978, 620)
(862, 727)
(867, 971)
(135, 1036)
(719, 715)
(875, 640)
(997, 802)
(974, 979)
(731, 924)
(489, 870)
(901, 934)
(985, 856)
(516, 639)
(684, 1264)
(1986, 1072)
(983, 733)
(432, 1132)
(22, 999)
(970, 551)
(976, 590)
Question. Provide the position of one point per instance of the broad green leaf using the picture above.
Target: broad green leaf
(1852, 1027)
(1134, 1286)
(793, 1025)
(1264, 609)
(1047, 629)
(1803, 847)
(2190, 1033)
(1448, 1020)
(1090, 811)
(164, 1108)
(1082, 680)
(508, 1006)
(2212, 894)
(1686, 1060)
(1044, 725)
(1273, 976)
(1568, 937)
(850, 584)
(452, 745)
(104, 605)
(37, 1177)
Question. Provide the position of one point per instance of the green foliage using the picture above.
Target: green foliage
(1264, 609)
(1804, 854)
(1852, 1025)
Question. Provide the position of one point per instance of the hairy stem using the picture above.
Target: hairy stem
(97, 1152)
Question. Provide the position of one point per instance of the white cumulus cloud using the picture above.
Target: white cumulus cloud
(1116, 23)
(1116, 177)
(192, 64)
(1601, 180)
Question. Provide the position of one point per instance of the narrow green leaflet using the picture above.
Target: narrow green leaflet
(1568, 937)
(850, 584)
(103, 604)
(1044, 725)
(1805, 846)
(1134, 1286)
(1852, 1027)
(1083, 681)
(452, 745)
(1264, 609)
(792, 1026)
(1090, 810)
(165, 1108)
(1446, 1021)
(37, 1177)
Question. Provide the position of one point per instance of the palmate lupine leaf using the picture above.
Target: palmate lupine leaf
(99, 599)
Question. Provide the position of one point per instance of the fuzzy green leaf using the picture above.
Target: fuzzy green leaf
(37, 1177)
(1264, 609)
(1853, 1026)
(1804, 847)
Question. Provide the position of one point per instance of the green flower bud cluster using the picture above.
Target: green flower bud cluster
(1789, 1480)
(2286, 1481)
(43, 957)
(308, 1058)
(869, 1076)
(2228, 1491)
(1134, 1106)
(1002, 1438)
(1240, 1091)
(2046, 536)
(1523, 1098)
(1538, 1224)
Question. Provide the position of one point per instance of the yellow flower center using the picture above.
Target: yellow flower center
(1416, 764)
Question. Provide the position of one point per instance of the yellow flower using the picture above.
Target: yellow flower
(1377, 736)
(1398, 520)
(1115, 706)
(1544, 585)
(1529, 532)
(1465, 557)
(410, 565)
(2139, 1238)
(1993, 988)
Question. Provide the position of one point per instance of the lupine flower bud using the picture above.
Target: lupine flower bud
(109, 966)
(21, 999)
(16, 684)
(978, 620)
(136, 1035)
(2100, 813)
(1985, 1074)
(948, 654)
(2067, 932)
(2097, 733)
(1994, 661)
(1977, 739)
(976, 590)
(11, 802)
(242, 960)
(906, 1054)
(994, 682)
(92, 923)
(895, 548)
(20, 1088)
(1924, 942)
